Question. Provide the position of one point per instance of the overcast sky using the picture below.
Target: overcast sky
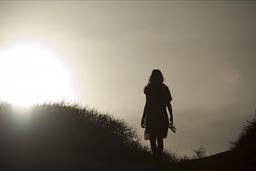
(206, 51)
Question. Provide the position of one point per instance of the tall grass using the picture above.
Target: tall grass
(61, 135)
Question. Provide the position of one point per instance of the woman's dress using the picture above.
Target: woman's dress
(158, 97)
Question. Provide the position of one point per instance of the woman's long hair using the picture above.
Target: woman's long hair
(156, 77)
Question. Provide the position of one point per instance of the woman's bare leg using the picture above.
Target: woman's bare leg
(153, 145)
(160, 146)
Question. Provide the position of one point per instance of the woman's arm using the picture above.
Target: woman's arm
(169, 106)
(143, 124)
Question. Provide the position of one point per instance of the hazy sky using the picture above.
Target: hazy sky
(206, 51)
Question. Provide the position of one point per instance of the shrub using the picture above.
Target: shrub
(247, 136)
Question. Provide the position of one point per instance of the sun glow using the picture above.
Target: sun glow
(32, 74)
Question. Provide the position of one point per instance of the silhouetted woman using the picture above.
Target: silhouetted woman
(155, 118)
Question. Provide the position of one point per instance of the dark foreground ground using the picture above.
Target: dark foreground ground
(241, 159)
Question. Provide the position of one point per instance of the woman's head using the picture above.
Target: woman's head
(156, 77)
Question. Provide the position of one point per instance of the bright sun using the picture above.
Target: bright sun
(32, 74)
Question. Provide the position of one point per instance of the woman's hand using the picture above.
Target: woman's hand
(171, 120)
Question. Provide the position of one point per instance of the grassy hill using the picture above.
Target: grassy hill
(71, 137)
(60, 136)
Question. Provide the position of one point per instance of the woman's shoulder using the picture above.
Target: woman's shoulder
(165, 86)
(146, 89)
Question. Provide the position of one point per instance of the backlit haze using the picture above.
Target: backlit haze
(101, 54)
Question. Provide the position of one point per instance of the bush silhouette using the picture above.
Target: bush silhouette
(66, 136)
(247, 136)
